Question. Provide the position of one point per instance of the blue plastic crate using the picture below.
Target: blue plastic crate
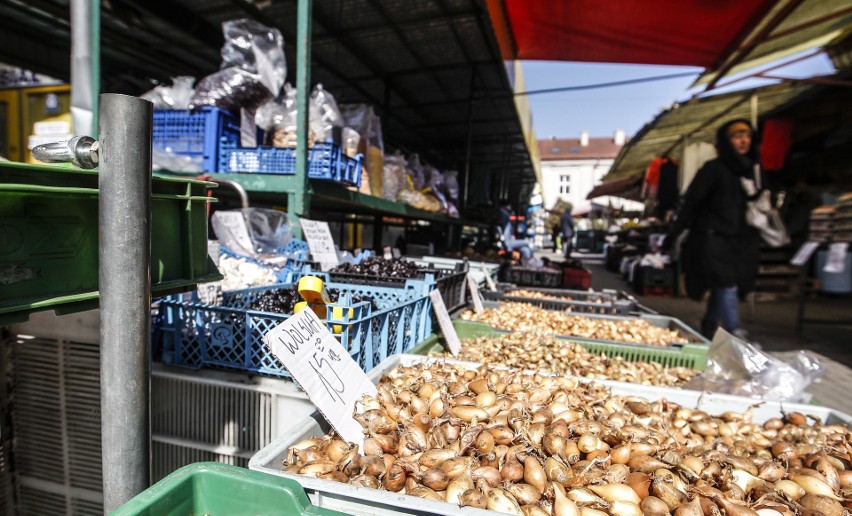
(229, 336)
(196, 133)
(325, 161)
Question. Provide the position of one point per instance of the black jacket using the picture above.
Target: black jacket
(721, 250)
(567, 224)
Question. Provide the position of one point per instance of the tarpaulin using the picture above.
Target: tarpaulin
(687, 32)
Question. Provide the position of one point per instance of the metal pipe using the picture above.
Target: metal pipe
(241, 192)
(85, 65)
(298, 203)
(125, 295)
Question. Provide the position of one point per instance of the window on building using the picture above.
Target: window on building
(564, 184)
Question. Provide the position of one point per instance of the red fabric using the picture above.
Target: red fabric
(652, 175)
(576, 278)
(687, 32)
(777, 139)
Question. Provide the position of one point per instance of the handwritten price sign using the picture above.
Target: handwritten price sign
(332, 380)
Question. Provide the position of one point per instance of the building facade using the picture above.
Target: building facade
(571, 167)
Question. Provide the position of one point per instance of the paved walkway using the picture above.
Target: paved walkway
(772, 324)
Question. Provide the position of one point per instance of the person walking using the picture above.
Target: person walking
(567, 233)
(720, 254)
(555, 235)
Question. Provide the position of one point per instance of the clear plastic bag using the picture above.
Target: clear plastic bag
(230, 89)
(451, 186)
(257, 49)
(734, 366)
(253, 68)
(166, 159)
(254, 232)
(330, 119)
(415, 172)
(176, 96)
(278, 119)
(394, 179)
(434, 184)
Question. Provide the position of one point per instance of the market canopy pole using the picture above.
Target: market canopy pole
(124, 217)
(85, 65)
(298, 204)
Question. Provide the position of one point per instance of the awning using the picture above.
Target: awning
(688, 32)
(791, 27)
(627, 188)
(696, 120)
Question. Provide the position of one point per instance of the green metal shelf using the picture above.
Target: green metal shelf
(324, 195)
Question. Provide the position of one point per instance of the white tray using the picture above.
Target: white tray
(363, 501)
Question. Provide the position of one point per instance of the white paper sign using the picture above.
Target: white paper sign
(210, 293)
(332, 380)
(395, 252)
(474, 294)
(320, 243)
(836, 262)
(488, 281)
(234, 224)
(444, 321)
(387, 253)
(804, 253)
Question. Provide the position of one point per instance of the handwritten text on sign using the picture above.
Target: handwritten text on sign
(447, 328)
(320, 242)
(332, 380)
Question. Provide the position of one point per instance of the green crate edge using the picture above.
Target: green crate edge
(230, 490)
(179, 193)
(690, 355)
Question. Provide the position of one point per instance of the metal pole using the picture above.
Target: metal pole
(241, 192)
(125, 294)
(468, 141)
(85, 65)
(299, 205)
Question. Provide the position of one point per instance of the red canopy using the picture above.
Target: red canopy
(683, 32)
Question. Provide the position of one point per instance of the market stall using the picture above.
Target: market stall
(338, 329)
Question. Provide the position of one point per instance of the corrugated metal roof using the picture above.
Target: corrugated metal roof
(792, 26)
(420, 56)
(697, 120)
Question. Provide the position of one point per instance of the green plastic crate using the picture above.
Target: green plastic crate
(689, 355)
(214, 489)
(49, 238)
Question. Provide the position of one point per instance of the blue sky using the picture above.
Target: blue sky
(602, 111)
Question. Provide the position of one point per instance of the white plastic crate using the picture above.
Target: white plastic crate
(196, 416)
(362, 501)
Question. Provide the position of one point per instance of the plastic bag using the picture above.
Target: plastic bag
(415, 172)
(451, 186)
(253, 68)
(257, 49)
(734, 366)
(330, 119)
(166, 159)
(278, 119)
(253, 232)
(434, 184)
(394, 178)
(175, 96)
(362, 118)
(230, 89)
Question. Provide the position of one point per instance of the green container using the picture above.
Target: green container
(49, 238)
(689, 355)
(214, 489)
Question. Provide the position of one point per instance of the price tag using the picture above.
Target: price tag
(395, 252)
(444, 321)
(210, 293)
(387, 253)
(804, 253)
(836, 262)
(474, 294)
(488, 281)
(320, 243)
(233, 226)
(332, 380)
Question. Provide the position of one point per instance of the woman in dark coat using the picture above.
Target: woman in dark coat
(720, 254)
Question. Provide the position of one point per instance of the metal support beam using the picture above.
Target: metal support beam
(471, 106)
(298, 204)
(85, 65)
(124, 216)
